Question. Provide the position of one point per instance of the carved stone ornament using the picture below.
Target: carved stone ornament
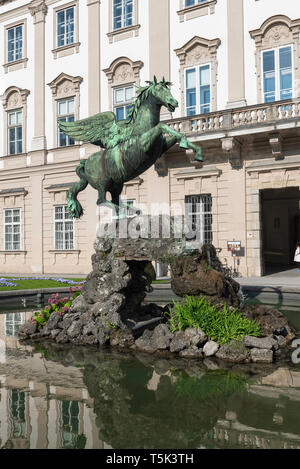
(197, 50)
(276, 146)
(123, 70)
(232, 148)
(277, 30)
(65, 85)
(191, 156)
(38, 9)
(14, 98)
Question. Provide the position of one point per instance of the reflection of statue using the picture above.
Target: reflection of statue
(131, 146)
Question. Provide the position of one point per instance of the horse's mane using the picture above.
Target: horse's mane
(142, 94)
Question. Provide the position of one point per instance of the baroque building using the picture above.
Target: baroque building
(235, 69)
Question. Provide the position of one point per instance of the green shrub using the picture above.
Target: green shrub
(220, 325)
(56, 305)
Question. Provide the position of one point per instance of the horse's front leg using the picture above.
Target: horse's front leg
(183, 141)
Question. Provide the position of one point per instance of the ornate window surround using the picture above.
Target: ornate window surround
(115, 35)
(122, 71)
(64, 86)
(275, 32)
(194, 11)
(199, 51)
(20, 63)
(15, 98)
(68, 49)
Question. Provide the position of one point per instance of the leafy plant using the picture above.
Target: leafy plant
(56, 305)
(220, 325)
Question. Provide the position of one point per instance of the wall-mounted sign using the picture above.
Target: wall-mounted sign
(250, 235)
(234, 246)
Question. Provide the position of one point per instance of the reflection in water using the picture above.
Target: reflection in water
(74, 397)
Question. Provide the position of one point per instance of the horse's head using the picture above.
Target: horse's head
(162, 94)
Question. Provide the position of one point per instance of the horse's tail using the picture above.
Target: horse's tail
(75, 208)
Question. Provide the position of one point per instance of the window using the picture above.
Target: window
(17, 419)
(65, 26)
(15, 43)
(199, 213)
(70, 424)
(122, 13)
(13, 322)
(12, 229)
(64, 228)
(198, 94)
(277, 74)
(14, 128)
(65, 113)
(189, 3)
(123, 98)
(129, 212)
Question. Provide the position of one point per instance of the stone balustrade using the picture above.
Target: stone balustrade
(230, 119)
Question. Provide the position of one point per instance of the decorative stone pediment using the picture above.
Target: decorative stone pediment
(123, 70)
(65, 85)
(14, 97)
(275, 31)
(198, 50)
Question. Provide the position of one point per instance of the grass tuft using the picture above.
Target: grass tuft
(222, 326)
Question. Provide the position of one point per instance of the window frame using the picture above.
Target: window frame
(12, 224)
(58, 116)
(124, 104)
(197, 67)
(196, 2)
(8, 127)
(202, 213)
(65, 9)
(123, 25)
(14, 27)
(63, 220)
(276, 51)
(10, 66)
(66, 49)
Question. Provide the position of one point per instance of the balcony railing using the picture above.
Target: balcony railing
(230, 119)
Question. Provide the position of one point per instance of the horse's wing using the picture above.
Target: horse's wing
(94, 129)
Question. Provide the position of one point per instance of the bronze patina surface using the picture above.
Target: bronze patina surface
(130, 146)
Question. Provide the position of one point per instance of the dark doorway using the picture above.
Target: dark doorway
(280, 228)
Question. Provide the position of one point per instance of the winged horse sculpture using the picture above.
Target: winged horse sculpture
(130, 146)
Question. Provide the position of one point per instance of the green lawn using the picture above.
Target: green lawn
(161, 281)
(31, 284)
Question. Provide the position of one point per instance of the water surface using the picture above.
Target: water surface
(76, 397)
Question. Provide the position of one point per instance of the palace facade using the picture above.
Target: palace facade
(235, 69)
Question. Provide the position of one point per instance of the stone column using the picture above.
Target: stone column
(159, 42)
(94, 101)
(38, 11)
(235, 47)
(37, 255)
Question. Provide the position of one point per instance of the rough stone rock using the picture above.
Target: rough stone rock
(179, 342)
(210, 348)
(62, 337)
(144, 343)
(89, 329)
(270, 320)
(259, 355)
(282, 342)
(201, 273)
(264, 343)
(52, 323)
(191, 352)
(27, 329)
(234, 352)
(153, 310)
(75, 329)
(196, 336)
(79, 305)
(88, 340)
(122, 339)
(55, 332)
(162, 337)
